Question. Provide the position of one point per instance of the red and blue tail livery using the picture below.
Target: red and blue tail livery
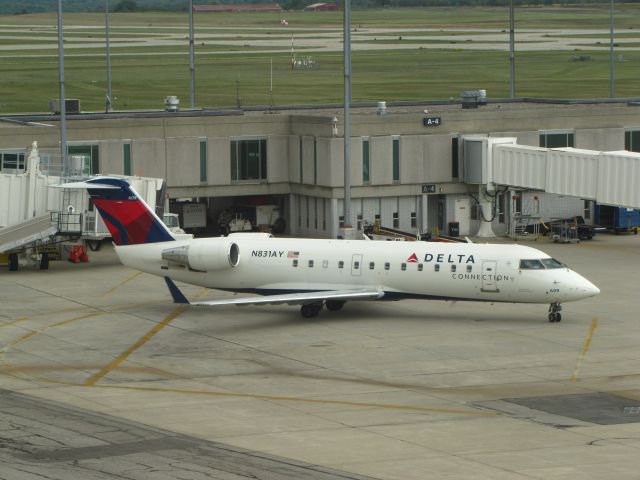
(127, 216)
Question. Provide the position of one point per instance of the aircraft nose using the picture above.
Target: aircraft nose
(589, 289)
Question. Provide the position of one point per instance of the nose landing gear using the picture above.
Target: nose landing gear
(554, 312)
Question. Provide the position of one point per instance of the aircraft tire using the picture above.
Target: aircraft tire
(334, 305)
(310, 310)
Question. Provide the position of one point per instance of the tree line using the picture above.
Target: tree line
(17, 7)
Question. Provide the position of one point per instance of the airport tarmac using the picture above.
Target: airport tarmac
(102, 377)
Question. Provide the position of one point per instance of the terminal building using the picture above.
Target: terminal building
(405, 161)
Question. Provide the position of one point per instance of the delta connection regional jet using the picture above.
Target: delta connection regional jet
(317, 273)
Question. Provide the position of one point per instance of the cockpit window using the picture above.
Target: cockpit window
(541, 264)
(531, 265)
(551, 263)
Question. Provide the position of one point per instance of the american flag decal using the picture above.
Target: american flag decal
(292, 254)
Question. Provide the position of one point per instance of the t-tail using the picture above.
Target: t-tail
(127, 216)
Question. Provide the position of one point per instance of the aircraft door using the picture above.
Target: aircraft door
(356, 264)
(489, 283)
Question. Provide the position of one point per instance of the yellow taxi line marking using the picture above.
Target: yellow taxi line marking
(585, 348)
(123, 282)
(320, 401)
(91, 381)
(13, 322)
(27, 336)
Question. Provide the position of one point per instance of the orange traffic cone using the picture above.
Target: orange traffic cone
(82, 253)
(73, 254)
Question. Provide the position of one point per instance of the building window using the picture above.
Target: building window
(454, 158)
(315, 161)
(315, 214)
(632, 140)
(365, 160)
(299, 201)
(248, 160)
(414, 220)
(84, 159)
(203, 160)
(12, 161)
(586, 212)
(324, 214)
(127, 158)
(341, 220)
(396, 220)
(301, 160)
(307, 209)
(396, 159)
(557, 139)
(359, 221)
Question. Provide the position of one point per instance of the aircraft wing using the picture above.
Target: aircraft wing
(289, 298)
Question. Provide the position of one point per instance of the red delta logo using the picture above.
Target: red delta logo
(413, 258)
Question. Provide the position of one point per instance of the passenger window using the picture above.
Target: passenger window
(469, 268)
(403, 266)
(295, 263)
(531, 265)
(340, 264)
(419, 267)
(436, 267)
(356, 265)
(387, 266)
(372, 265)
(310, 263)
(453, 268)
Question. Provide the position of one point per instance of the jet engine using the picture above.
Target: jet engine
(204, 256)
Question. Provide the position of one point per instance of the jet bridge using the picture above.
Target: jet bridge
(609, 178)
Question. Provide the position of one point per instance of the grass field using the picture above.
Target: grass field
(143, 75)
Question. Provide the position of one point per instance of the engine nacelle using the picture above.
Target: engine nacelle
(204, 256)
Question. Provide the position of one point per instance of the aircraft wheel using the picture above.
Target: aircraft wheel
(44, 261)
(310, 310)
(334, 305)
(13, 262)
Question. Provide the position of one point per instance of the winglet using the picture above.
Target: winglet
(177, 295)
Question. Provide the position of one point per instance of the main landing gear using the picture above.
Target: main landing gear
(311, 310)
(554, 312)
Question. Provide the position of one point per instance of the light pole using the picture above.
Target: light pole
(192, 66)
(611, 56)
(63, 107)
(108, 105)
(347, 105)
(512, 47)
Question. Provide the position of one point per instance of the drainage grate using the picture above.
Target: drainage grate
(599, 408)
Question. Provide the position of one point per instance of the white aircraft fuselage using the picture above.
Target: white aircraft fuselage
(430, 270)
